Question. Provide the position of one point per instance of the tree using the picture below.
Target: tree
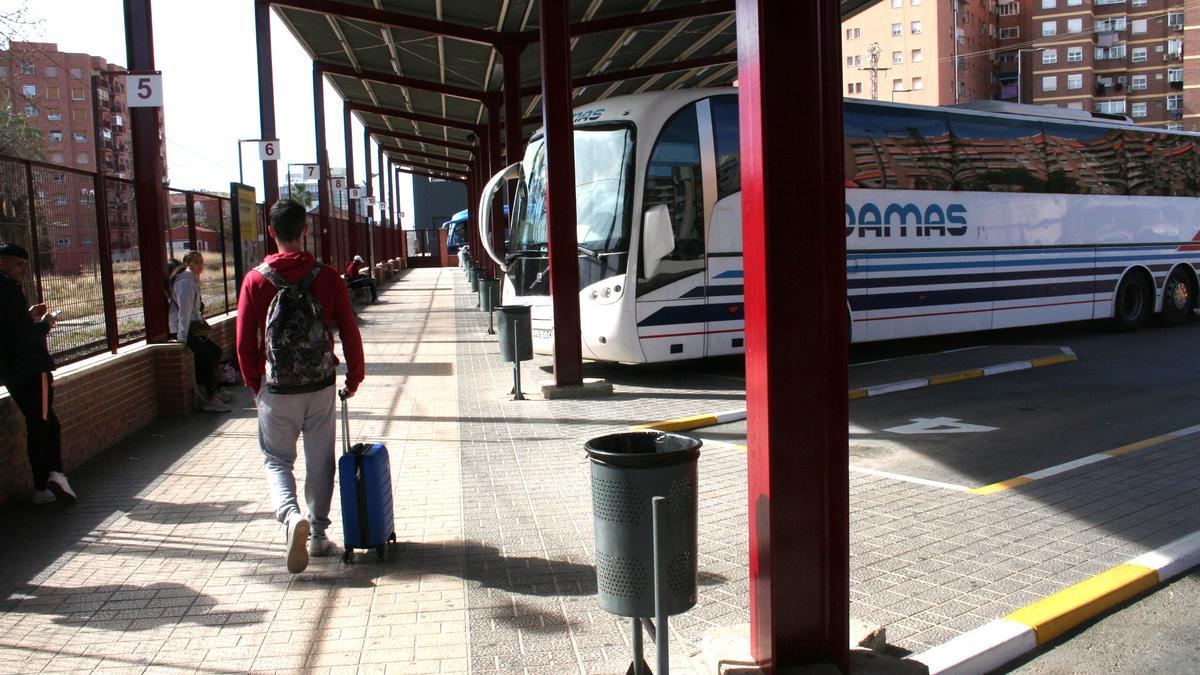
(17, 139)
(301, 194)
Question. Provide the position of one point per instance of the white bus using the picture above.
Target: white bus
(956, 220)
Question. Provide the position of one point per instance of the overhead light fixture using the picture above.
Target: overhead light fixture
(629, 39)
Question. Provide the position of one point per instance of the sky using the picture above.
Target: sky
(206, 53)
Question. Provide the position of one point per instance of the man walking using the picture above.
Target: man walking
(286, 309)
(25, 366)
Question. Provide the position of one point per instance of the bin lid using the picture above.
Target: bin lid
(643, 449)
(512, 309)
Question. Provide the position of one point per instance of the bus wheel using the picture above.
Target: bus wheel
(1133, 303)
(1177, 298)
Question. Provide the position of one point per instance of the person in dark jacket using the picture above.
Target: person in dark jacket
(356, 279)
(25, 370)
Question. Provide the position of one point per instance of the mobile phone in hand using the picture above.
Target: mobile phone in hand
(55, 314)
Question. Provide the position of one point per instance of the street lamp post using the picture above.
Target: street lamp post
(1019, 52)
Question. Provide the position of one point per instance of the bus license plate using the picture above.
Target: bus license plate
(543, 333)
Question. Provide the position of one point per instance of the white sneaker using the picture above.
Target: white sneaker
(44, 497)
(319, 546)
(58, 485)
(297, 536)
(215, 404)
(225, 395)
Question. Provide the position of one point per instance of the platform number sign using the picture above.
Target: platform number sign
(337, 183)
(311, 171)
(268, 150)
(144, 90)
(355, 193)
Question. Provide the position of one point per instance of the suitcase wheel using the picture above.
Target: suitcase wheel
(393, 537)
(381, 551)
(348, 557)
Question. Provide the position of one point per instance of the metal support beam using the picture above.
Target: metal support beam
(645, 71)
(266, 100)
(372, 223)
(147, 171)
(463, 125)
(402, 81)
(351, 213)
(554, 23)
(429, 155)
(394, 19)
(323, 192)
(495, 144)
(388, 133)
(795, 279)
(381, 212)
(424, 165)
(514, 139)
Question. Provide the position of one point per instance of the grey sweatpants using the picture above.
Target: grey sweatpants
(281, 419)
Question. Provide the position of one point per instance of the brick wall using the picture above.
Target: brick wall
(102, 400)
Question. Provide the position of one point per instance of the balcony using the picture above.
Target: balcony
(1175, 84)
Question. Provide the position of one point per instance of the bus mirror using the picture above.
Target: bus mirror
(658, 237)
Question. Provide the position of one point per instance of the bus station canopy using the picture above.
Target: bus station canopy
(431, 69)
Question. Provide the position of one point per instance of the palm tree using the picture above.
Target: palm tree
(301, 194)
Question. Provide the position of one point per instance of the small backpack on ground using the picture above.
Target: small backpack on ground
(298, 340)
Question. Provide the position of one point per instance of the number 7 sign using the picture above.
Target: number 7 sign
(144, 90)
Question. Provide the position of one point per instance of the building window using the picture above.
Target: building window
(1138, 82)
(1110, 25)
(56, 157)
(1050, 56)
(27, 69)
(858, 59)
(60, 200)
(86, 241)
(64, 241)
(1074, 3)
(78, 114)
(31, 111)
(1074, 54)
(897, 57)
(1114, 52)
(915, 3)
(1111, 107)
(849, 61)
(1174, 47)
(897, 4)
(1049, 28)
(1075, 25)
(1175, 74)
(895, 30)
(1049, 4)
(897, 85)
(850, 88)
(29, 90)
(1175, 102)
(1138, 55)
(1009, 9)
(1139, 3)
(53, 93)
(915, 27)
(1175, 19)
(77, 73)
(1050, 83)
(1108, 2)
(849, 34)
(1010, 33)
(1137, 26)
(80, 137)
(917, 56)
(58, 177)
(82, 158)
(77, 93)
(50, 71)
(1174, 126)
(858, 87)
(857, 33)
(918, 84)
(56, 136)
(1075, 81)
(1075, 105)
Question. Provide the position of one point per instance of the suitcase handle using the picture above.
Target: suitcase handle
(344, 395)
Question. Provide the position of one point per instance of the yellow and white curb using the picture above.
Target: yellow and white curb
(991, 646)
(1082, 461)
(694, 422)
(878, 390)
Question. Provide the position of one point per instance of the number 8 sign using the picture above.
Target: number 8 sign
(144, 90)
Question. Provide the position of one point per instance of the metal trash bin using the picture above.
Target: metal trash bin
(628, 470)
(516, 333)
(489, 291)
(473, 274)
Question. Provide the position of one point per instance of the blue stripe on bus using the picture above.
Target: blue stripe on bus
(1099, 251)
(697, 313)
(729, 274)
(964, 296)
(981, 277)
(714, 291)
(913, 267)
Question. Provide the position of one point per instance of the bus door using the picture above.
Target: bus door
(672, 290)
(726, 325)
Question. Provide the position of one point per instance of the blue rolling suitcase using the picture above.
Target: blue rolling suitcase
(365, 478)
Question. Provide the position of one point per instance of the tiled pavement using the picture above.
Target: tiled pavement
(172, 561)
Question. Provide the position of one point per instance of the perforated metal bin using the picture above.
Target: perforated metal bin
(516, 333)
(473, 274)
(489, 294)
(628, 470)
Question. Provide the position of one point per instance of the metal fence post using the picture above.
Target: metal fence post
(193, 241)
(33, 230)
(224, 250)
(108, 283)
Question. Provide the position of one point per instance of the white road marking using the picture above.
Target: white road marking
(939, 425)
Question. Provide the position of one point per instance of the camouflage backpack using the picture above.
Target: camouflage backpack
(298, 340)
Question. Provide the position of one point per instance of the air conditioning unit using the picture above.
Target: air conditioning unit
(1173, 56)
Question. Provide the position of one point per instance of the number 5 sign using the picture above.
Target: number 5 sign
(144, 90)
(268, 150)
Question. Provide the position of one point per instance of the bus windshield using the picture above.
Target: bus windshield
(603, 171)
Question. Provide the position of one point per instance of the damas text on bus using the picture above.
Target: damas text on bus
(934, 221)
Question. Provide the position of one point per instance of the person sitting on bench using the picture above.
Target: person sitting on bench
(356, 279)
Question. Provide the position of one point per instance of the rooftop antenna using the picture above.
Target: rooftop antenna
(873, 52)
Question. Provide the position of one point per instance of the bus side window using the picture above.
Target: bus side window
(994, 154)
(1085, 160)
(896, 149)
(725, 132)
(674, 178)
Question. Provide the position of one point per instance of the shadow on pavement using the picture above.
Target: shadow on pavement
(126, 607)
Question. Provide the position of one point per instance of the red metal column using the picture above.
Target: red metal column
(356, 247)
(497, 163)
(266, 98)
(323, 192)
(554, 22)
(104, 251)
(401, 239)
(372, 224)
(795, 277)
(147, 171)
(514, 137)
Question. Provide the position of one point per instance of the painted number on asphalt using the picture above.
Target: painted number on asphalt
(939, 425)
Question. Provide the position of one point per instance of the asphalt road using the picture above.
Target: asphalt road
(1124, 388)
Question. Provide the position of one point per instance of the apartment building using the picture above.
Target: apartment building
(1116, 56)
(78, 103)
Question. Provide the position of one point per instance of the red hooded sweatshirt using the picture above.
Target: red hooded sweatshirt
(256, 296)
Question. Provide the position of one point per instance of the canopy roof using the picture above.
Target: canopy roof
(421, 74)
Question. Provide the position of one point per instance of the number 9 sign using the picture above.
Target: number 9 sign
(268, 150)
(144, 90)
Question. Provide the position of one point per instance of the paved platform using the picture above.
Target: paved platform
(172, 560)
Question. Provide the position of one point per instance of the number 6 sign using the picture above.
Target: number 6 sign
(268, 150)
(144, 90)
